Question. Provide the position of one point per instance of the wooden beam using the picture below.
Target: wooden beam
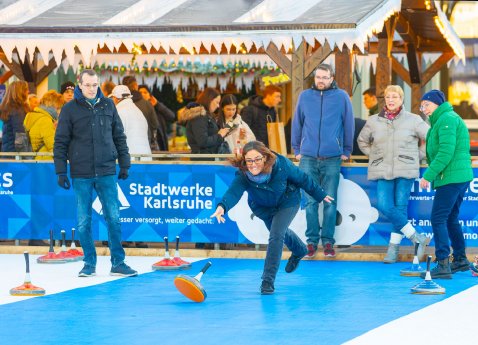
(401, 47)
(414, 65)
(405, 30)
(279, 58)
(390, 26)
(297, 77)
(401, 71)
(417, 88)
(5, 76)
(45, 71)
(343, 70)
(373, 48)
(27, 68)
(312, 61)
(435, 67)
(416, 97)
(383, 78)
(12, 66)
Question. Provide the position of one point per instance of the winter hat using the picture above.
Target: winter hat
(191, 105)
(434, 96)
(66, 86)
(120, 92)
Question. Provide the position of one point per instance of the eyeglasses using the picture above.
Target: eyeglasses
(256, 160)
(323, 78)
(89, 86)
(424, 106)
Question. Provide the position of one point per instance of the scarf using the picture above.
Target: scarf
(50, 110)
(259, 178)
(391, 115)
(92, 101)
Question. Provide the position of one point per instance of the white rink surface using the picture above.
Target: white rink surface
(452, 321)
(55, 278)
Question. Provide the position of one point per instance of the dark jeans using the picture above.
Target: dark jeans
(107, 191)
(392, 200)
(325, 172)
(444, 218)
(279, 233)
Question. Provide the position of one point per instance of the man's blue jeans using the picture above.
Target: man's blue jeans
(392, 200)
(445, 224)
(107, 191)
(279, 233)
(325, 172)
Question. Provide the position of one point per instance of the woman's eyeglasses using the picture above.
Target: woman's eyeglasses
(424, 106)
(256, 160)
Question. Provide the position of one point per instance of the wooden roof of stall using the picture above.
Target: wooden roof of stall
(60, 27)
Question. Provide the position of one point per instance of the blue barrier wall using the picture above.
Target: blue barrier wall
(171, 200)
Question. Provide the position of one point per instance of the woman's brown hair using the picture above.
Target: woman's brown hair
(52, 99)
(270, 157)
(207, 96)
(15, 99)
(228, 99)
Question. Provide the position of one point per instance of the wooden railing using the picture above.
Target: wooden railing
(174, 158)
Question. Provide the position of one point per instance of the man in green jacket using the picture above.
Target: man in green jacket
(449, 170)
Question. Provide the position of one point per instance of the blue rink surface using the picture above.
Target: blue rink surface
(323, 302)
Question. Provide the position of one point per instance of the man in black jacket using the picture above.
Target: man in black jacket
(259, 108)
(90, 136)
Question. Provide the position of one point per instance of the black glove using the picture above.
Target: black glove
(63, 181)
(123, 174)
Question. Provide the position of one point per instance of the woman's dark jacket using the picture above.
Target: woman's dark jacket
(164, 115)
(13, 125)
(281, 191)
(202, 131)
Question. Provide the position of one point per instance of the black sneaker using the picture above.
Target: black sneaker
(267, 288)
(292, 263)
(460, 264)
(87, 271)
(441, 271)
(123, 270)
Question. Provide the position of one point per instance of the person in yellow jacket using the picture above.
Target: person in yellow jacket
(40, 124)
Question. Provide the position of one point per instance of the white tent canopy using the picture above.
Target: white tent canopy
(60, 25)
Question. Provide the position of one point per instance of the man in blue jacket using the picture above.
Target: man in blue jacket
(91, 137)
(322, 137)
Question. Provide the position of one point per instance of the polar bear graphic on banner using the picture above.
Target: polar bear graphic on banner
(354, 215)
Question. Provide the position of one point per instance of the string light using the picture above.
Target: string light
(441, 27)
(136, 50)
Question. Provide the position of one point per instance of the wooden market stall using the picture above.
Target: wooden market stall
(36, 37)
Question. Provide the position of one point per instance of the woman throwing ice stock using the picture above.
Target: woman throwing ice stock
(273, 185)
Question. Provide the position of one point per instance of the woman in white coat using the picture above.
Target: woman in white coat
(228, 117)
(134, 122)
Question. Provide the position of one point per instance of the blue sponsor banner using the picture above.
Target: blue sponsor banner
(178, 200)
